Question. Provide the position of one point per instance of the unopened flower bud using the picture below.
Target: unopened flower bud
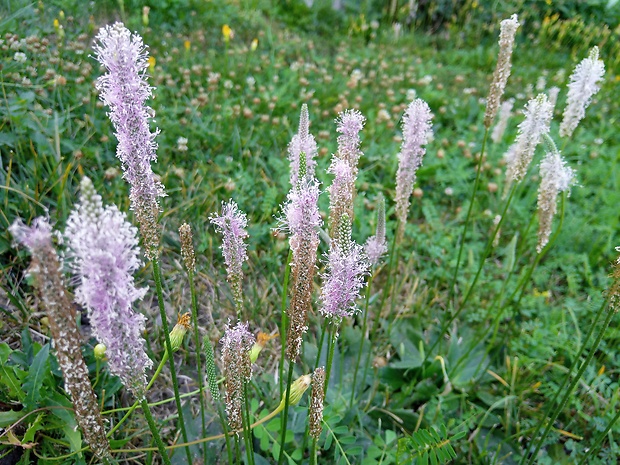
(178, 332)
(100, 351)
(259, 345)
(298, 388)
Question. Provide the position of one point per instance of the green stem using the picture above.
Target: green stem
(362, 340)
(284, 422)
(333, 329)
(313, 452)
(155, 433)
(284, 320)
(247, 429)
(237, 450)
(468, 217)
(557, 410)
(164, 321)
(192, 289)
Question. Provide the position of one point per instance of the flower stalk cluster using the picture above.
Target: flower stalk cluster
(104, 255)
(124, 90)
(45, 268)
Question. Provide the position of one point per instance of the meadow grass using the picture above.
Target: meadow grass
(227, 111)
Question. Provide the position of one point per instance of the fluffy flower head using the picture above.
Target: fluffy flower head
(582, 86)
(103, 253)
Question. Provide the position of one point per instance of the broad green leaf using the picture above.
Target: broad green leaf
(9, 417)
(34, 380)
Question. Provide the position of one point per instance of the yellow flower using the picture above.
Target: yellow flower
(152, 62)
(227, 32)
(254, 44)
(187, 44)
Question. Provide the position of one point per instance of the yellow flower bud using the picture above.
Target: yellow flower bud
(178, 332)
(254, 44)
(187, 44)
(227, 32)
(100, 351)
(61, 15)
(152, 62)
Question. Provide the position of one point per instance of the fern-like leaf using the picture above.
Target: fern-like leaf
(427, 446)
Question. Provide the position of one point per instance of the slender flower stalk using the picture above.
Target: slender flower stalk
(508, 29)
(582, 86)
(376, 246)
(417, 130)
(231, 223)
(103, 253)
(45, 268)
(538, 113)
(505, 110)
(303, 145)
(555, 177)
(344, 167)
(236, 346)
(125, 91)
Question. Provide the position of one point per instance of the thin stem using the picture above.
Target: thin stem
(247, 430)
(333, 330)
(284, 423)
(469, 210)
(284, 320)
(584, 365)
(237, 450)
(313, 452)
(164, 321)
(155, 432)
(362, 340)
(192, 289)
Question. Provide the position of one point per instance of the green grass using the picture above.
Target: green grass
(52, 130)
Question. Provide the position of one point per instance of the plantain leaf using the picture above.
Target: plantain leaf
(34, 381)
